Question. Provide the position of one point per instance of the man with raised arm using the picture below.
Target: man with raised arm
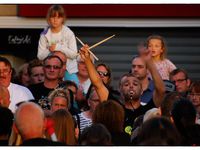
(130, 87)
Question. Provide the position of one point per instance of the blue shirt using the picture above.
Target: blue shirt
(72, 77)
(147, 95)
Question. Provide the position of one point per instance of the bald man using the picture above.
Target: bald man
(30, 123)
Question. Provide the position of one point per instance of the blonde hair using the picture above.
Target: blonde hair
(164, 46)
(56, 9)
(60, 92)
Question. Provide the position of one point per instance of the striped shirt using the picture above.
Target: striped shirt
(84, 121)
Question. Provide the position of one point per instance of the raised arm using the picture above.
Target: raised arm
(102, 91)
(159, 90)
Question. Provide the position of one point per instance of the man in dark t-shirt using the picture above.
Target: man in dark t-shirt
(132, 114)
(52, 69)
(130, 87)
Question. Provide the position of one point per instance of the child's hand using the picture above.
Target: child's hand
(52, 47)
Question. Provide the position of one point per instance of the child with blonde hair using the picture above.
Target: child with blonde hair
(157, 46)
(58, 37)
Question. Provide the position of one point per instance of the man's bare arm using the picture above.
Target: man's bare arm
(102, 91)
(159, 90)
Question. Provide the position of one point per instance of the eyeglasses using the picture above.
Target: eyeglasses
(179, 80)
(52, 66)
(103, 73)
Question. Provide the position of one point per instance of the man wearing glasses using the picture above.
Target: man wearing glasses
(181, 81)
(52, 66)
(17, 92)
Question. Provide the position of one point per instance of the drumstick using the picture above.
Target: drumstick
(89, 49)
(95, 45)
(80, 41)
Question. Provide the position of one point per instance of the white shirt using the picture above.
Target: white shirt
(86, 85)
(18, 94)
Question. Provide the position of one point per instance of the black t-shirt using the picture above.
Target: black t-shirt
(39, 91)
(121, 139)
(131, 115)
(3, 142)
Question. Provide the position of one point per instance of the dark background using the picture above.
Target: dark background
(183, 45)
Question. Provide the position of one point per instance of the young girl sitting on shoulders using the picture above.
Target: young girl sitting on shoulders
(157, 46)
(58, 37)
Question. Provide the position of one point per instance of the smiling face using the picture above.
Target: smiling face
(104, 74)
(5, 74)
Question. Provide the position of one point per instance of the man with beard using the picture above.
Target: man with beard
(131, 90)
(130, 87)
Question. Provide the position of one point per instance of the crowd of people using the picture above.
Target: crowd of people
(63, 98)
